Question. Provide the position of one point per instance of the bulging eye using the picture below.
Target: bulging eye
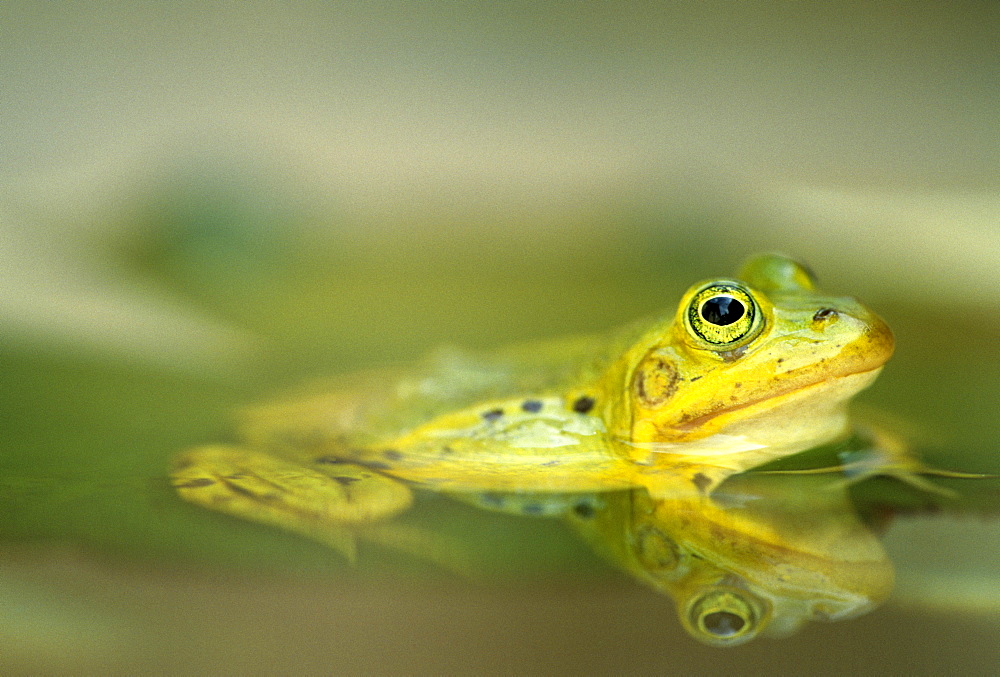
(724, 616)
(723, 314)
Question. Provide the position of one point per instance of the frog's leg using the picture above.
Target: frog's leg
(891, 455)
(331, 504)
(887, 453)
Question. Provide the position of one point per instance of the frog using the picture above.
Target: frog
(746, 370)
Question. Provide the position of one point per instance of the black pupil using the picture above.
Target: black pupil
(722, 310)
(723, 623)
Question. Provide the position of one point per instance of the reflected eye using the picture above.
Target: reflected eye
(723, 617)
(723, 314)
(723, 623)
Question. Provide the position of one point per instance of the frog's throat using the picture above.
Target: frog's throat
(857, 381)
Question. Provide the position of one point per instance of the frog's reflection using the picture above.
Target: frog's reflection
(761, 556)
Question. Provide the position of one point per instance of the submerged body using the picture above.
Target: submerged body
(746, 371)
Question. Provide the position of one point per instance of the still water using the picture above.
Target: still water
(106, 570)
(204, 206)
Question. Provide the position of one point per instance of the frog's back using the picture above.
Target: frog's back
(359, 410)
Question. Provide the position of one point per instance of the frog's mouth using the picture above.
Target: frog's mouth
(834, 389)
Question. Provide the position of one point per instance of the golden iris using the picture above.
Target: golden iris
(724, 616)
(723, 314)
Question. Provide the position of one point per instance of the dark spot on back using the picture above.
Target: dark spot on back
(583, 404)
(392, 454)
(196, 483)
(583, 510)
(531, 406)
(330, 460)
(533, 509)
(694, 378)
(701, 481)
(345, 480)
(492, 415)
(493, 499)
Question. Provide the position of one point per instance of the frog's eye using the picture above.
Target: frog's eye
(724, 616)
(723, 314)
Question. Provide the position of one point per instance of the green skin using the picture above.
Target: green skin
(661, 411)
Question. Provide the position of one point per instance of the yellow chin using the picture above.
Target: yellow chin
(802, 418)
(761, 430)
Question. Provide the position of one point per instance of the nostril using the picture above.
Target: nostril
(825, 315)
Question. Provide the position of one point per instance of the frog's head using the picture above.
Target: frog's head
(765, 359)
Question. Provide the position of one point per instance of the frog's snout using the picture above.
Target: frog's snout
(879, 339)
(874, 342)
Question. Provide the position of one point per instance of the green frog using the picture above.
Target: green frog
(747, 370)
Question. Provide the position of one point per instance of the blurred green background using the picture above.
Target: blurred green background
(203, 205)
